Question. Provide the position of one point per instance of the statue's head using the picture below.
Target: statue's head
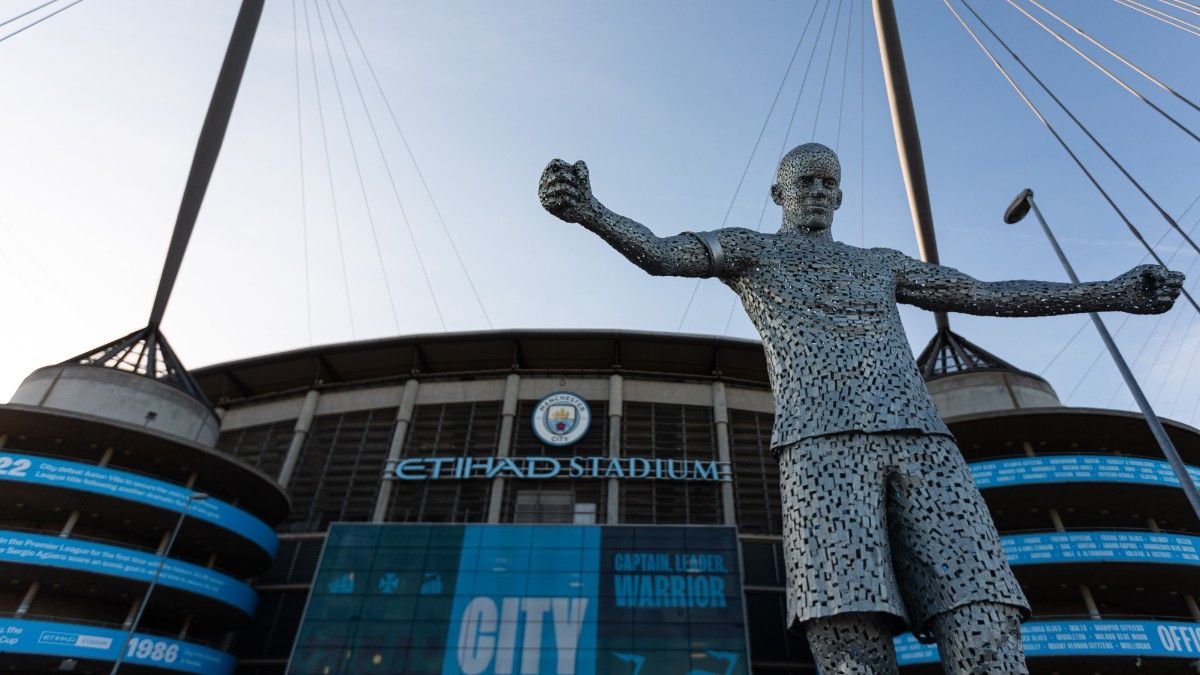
(807, 186)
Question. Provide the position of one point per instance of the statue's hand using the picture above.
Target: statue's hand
(1150, 289)
(566, 192)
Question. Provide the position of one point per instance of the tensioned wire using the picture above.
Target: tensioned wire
(1086, 322)
(416, 166)
(391, 179)
(26, 27)
(1121, 167)
(1112, 76)
(1182, 4)
(337, 224)
(1129, 64)
(1037, 113)
(828, 61)
(757, 141)
(792, 119)
(783, 148)
(1127, 175)
(303, 181)
(362, 184)
(26, 13)
(1160, 16)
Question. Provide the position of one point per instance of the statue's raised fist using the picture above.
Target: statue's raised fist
(566, 192)
(1151, 289)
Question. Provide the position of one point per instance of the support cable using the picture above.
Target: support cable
(1117, 56)
(362, 182)
(862, 128)
(1121, 167)
(337, 223)
(1123, 84)
(412, 157)
(303, 181)
(825, 77)
(1037, 113)
(1187, 373)
(22, 29)
(783, 146)
(837, 142)
(1181, 4)
(1157, 322)
(1160, 16)
(757, 141)
(26, 13)
(1087, 322)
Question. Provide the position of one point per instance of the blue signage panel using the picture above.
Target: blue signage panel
(135, 488)
(502, 599)
(1076, 469)
(44, 638)
(1084, 638)
(1058, 547)
(86, 556)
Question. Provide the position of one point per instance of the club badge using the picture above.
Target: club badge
(562, 418)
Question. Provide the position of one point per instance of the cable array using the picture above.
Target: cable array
(27, 26)
(1156, 350)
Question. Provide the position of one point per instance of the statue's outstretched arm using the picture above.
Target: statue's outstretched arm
(1147, 289)
(565, 191)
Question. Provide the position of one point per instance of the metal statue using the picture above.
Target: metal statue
(883, 525)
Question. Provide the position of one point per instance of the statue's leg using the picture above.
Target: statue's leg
(980, 638)
(859, 643)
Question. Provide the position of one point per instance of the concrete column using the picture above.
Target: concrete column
(1028, 448)
(1090, 602)
(616, 410)
(30, 594)
(1194, 610)
(72, 521)
(721, 420)
(507, 414)
(1056, 520)
(299, 434)
(1152, 525)
(187, 625)
(408, 403)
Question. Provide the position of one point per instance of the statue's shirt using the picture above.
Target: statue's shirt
(837, 356)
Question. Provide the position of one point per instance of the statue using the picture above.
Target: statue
(883, 526)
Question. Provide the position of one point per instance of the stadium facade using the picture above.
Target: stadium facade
(537, 501)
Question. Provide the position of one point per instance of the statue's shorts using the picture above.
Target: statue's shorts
(887, 522)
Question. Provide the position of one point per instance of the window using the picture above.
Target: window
(755, 473)
(669, 431)
(552, 506)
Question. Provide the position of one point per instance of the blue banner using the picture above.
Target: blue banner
(1057, 547)
(506, 599)
(86, 556)
(1076, 469)
(135, 488)
(1084, 638)
(44, 638)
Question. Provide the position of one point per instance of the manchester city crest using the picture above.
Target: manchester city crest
(562, 418)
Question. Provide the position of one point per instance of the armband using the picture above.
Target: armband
(716, 254)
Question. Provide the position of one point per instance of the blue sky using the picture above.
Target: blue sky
(663, 99)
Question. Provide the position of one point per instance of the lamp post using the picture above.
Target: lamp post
(1020, 207)
(162, 560)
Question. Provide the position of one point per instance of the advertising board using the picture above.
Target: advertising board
(1084, 638)
(87, 556)
(501, 599)
(46, 638)
(1075, 469)
(132, 487)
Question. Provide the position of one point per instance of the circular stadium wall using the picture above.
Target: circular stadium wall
(441, 432)
(99, 468)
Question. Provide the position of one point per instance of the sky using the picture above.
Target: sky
(102, 105)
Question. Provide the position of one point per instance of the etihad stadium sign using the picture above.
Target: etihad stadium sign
(559, 419)
(637, 468)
